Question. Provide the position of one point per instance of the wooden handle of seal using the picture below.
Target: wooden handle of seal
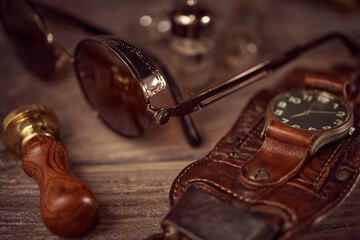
(68, 206)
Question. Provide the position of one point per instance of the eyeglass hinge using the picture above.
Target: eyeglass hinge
(159, 115)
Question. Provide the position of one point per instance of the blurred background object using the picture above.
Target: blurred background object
(192, 43)
(242, 35)
(151, 24)
(199, 37)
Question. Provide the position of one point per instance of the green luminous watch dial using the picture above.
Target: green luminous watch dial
(310, 110)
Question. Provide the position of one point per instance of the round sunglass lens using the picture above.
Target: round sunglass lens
(27, 32)
(111, 88)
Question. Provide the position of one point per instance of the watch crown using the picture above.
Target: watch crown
(351, 130)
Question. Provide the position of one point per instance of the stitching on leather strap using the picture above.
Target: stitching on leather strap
(184, 172)
(213, 152)
(271, 210)
(291, 213)
(235, 195)
(307, 190)
(263, 192)
(190, 166)
(327, 163)
(256, 129)
(264, 208)
(341, 196)
(233, 129)
(221, 187)
(208, 189)
(222, 161)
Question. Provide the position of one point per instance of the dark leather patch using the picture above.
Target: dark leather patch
(198, 214)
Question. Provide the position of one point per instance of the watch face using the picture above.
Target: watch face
(310, 110)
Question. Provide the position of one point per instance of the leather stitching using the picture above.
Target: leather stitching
(340, 197)
(185, 171)
(284, 215)
(307, 190)
(305, 223)
(292, 214)
(213, 152)
(264, 191)
(222, 161)
(235, 195)
(250, 134)
(237, 126)
(221, 187)
(271, 211)
(327, 163)
(209, 190)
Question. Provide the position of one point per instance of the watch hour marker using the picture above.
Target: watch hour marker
(282, 104)
(285, 120)
(340, 114)
(323, 99)
(278, 112)
(295, 100)
(310, 110)
(338, 122)
(307, 97)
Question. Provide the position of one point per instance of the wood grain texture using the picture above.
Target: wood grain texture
(68, 206)
(131, 177)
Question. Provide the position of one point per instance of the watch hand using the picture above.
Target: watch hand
(307, 112)
(299, 114)
(312, 105)
(329, 112)
(302, 114)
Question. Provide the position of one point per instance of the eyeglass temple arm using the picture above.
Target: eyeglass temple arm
(190, 130)
(59, 15)
(250, 76)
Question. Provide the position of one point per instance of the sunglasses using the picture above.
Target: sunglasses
(118, 79)
(36, 47)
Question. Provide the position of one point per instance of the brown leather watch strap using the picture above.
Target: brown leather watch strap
(319, 183)
(322, 181)
(334, 84)
(283, 153)
(285, 149)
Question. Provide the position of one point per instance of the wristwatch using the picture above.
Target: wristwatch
(298, 123)
(291, 156)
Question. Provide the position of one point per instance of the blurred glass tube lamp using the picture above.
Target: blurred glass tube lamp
(241, 45)
(192, 43)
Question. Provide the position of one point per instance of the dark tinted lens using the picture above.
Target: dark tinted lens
(111, 88)
(26, 31)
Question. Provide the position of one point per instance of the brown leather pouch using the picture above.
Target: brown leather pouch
(277, 211)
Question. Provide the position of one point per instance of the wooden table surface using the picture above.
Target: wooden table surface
(132, 177)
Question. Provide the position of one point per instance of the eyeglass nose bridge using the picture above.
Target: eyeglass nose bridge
(62, 54)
